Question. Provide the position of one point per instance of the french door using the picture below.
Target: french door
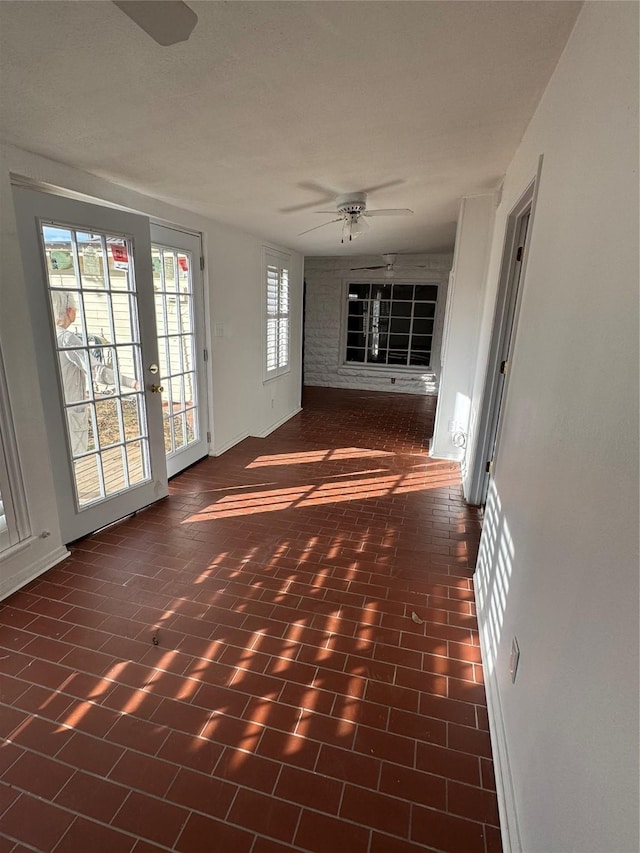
(178, 295)
(89, 273)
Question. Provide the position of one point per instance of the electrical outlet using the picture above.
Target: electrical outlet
(513, 659)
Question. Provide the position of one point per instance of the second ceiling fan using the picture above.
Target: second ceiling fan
(389, 265)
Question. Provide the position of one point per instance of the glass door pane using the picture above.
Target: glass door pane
(89, 275)
(93, 300)
(178, 297)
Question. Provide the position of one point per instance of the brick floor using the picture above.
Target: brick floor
(282, 655)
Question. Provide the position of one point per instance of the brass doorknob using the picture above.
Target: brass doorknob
(157, 389)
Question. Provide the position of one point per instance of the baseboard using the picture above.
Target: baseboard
(29, 573)
(447, 456)
(279, 423)
(218, 451)
(504, 784)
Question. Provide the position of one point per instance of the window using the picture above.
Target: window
(390, 324)
(276, 275)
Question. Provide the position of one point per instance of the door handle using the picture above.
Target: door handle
(156, 389)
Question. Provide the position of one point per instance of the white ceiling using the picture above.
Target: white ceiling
(278, 105)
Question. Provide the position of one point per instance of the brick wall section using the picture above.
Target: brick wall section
(323, 348)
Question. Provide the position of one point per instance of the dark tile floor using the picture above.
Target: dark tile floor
(282, 655)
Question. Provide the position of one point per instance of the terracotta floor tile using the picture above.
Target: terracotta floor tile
(42, 834)
(95, 798)
(204, 835)
(292, 702)
(153, 820)
(9, 754)
(377, 810)
(293, 749)
(41, 735)
(323, 834)
(7, 845)
(447, 832)
(201, 793)
(90, 754)
(413, 786)
(449, 763)
(86, 835)
(309, 789)
(265, 815)
(144, 773)
(470, 802)
(8, 795)
(38, 775)
(248, 770)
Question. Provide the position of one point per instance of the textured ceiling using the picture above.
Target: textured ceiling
(275, 105)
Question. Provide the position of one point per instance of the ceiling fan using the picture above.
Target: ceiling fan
(388, 266)
(351, 210)
(166, 21)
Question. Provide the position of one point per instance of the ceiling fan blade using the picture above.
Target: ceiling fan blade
(383, 186)
(315, 228)
(297, 207)
(166, 21)
(379, 267)
(392, 211)
(323, 195)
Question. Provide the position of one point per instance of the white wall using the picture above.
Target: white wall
(326, 279)
(241, 404)
(464, 313)
(558, 564)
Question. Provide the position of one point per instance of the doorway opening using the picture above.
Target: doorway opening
(502, 344)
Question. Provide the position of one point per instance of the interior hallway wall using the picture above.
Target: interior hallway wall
(241, 403)
(558, 563)
(463, 319)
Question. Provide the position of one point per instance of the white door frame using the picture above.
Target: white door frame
(507, 308)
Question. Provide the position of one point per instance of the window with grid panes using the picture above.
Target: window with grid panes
(390, 324)
(277, 328)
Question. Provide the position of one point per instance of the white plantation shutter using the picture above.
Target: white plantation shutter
(277, 314)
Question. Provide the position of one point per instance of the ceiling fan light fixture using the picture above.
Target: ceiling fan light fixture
(359, 226)
(353, 226)
(352, 211)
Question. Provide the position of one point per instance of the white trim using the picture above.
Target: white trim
(218, 451)
(279, 423)
(386, 370)
(509, 828)
(10, 585)
(475, 492)
(449, 455)
(14, 502)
